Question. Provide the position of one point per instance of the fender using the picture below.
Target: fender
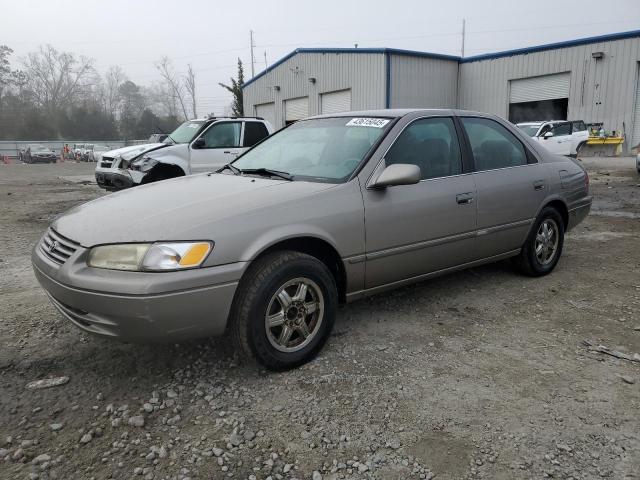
(286, 232)
(548, 199)
(177, 155)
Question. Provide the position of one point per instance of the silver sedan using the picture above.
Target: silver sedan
(328, 210)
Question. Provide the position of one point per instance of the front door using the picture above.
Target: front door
(560, 142)
(510, 186)
(221, 146)
(416, 229)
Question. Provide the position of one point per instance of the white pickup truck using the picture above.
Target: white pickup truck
(199, 145)
(558, 136)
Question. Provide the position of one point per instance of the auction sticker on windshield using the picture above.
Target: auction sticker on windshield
(367, 122)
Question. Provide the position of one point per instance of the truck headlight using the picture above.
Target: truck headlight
(150, 257)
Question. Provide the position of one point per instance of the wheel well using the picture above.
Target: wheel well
(323, 251)
(163, 171)
(562, 209)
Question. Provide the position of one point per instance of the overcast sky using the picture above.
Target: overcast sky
(211, 34)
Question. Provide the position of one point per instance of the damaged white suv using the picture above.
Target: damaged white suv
(196, 146)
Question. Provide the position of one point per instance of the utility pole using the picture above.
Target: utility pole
(266, 65)
(463, 32)
(253, 60)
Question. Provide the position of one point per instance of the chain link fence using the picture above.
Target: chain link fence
(12, 148)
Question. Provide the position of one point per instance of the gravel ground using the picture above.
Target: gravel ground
(478, 374)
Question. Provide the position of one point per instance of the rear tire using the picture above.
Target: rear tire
(543, 247)
(276, 320)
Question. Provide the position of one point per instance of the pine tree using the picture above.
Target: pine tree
(236, 90)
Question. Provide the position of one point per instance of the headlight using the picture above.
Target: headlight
(149, 257)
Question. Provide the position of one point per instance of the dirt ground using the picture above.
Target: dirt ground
(478, 374)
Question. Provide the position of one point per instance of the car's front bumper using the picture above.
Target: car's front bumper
(114, 179)
(139, 307)
(51, 159)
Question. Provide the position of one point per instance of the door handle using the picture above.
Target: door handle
(464, 198)
(538, 184)
(230, 152)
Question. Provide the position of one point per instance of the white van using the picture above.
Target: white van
(199, 145)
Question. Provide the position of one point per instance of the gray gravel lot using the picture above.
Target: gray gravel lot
(478, 374)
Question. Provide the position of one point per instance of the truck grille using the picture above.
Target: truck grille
(56, 247)
(106, 162)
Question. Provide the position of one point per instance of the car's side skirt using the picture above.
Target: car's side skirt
(390, 286)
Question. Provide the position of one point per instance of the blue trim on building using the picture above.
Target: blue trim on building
(554, 46)
(394, 51)
(387, 92)
(487, 56)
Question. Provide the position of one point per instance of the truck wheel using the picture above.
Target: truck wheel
(284, 309)
(543, 247)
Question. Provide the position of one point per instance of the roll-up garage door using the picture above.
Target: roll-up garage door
(635, 138)
(335, 102)
(534, 89)
(296, 109)
(267, 111)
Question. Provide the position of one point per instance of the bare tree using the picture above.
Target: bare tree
(172, 80)
(190, 84)
(114, 78)
(161, 99)
(58, 79)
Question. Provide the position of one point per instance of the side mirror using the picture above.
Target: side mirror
(547, 135)
(398, 174)
(199, 143)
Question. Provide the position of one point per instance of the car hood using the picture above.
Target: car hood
(183, 208)
(133, 150)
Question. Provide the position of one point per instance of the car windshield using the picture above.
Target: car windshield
(185, 132)
(530, 130)
(38, 148)
(321, 150)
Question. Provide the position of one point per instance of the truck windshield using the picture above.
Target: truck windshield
(320, 150)
(530, 130)
(185, 132)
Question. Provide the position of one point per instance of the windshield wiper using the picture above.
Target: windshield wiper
(236, 171)
(269, 172)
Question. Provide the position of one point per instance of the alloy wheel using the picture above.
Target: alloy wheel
(546, 243)
(294, 315)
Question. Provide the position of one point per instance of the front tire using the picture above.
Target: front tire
(284, 310)
(543, 247)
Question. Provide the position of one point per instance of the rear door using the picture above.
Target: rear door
(253, 133)
(222, 143)
(413, 230)
(510, 186)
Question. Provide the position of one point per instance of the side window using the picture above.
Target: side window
(562, 129)
(253, 133)
(493, 145)
(546, 128)
(222, 135)
(579, 126)
(431, 144)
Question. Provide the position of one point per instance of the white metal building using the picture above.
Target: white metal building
(593, 79)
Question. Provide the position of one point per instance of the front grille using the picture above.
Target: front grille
(56, 247)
